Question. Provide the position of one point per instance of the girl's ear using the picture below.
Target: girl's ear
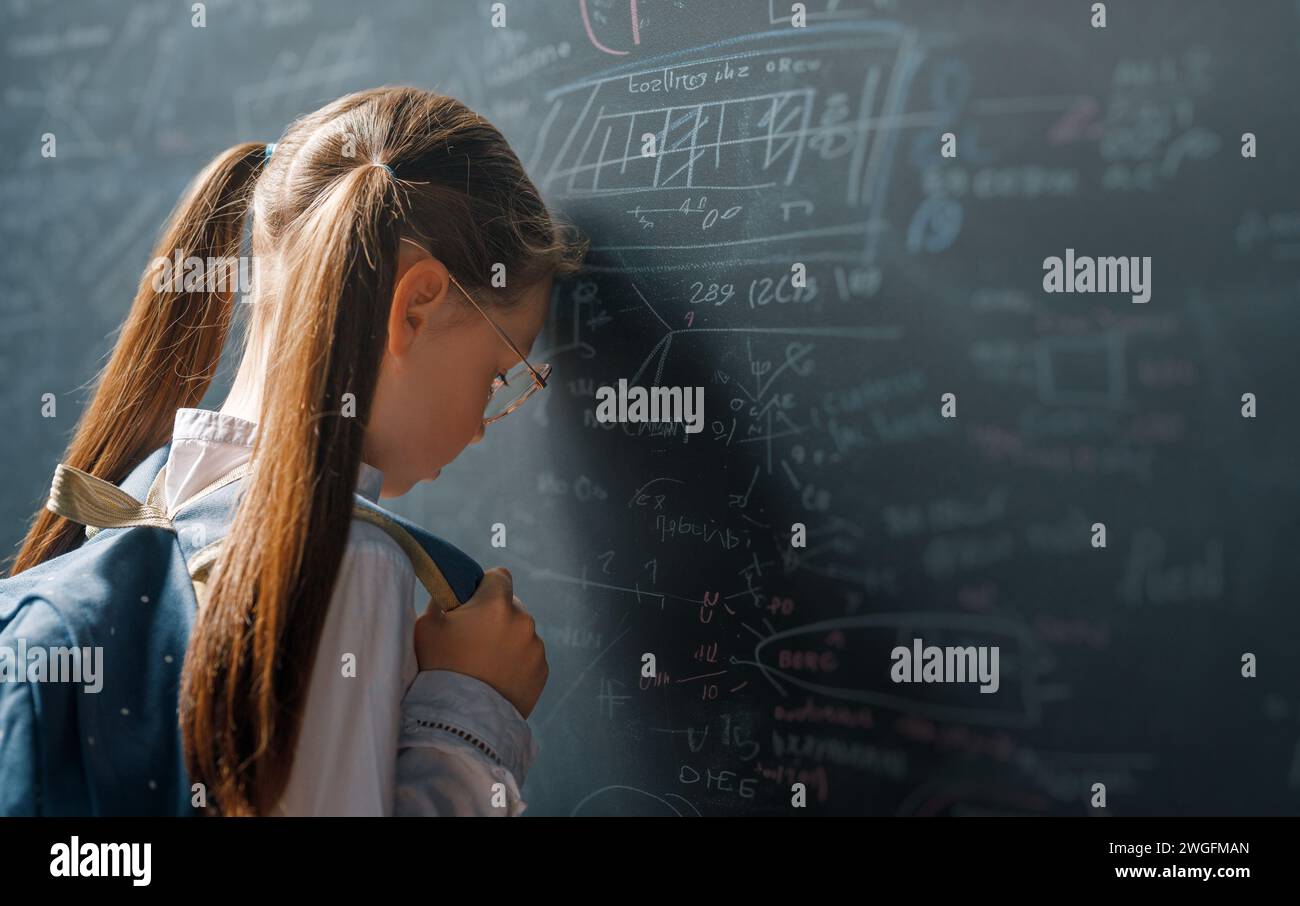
(418, 296)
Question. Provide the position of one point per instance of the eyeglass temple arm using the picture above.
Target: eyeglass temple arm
(541, 381)
(501, 333)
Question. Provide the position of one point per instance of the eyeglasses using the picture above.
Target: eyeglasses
(509, 390)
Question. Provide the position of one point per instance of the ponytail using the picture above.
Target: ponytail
(250, 657)
(168, 349)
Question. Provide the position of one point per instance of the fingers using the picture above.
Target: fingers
(525, 617)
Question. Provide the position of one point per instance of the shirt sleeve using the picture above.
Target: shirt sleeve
(464, 750)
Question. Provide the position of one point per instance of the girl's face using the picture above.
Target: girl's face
(438, 366)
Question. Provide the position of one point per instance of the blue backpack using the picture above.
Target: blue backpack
(86, 735)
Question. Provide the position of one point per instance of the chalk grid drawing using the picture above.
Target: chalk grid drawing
(751, 124)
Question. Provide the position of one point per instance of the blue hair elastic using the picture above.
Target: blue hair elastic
(270, 149)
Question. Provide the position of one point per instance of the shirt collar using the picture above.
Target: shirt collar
(235, 436)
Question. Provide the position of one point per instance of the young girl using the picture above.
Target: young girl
(404, 262)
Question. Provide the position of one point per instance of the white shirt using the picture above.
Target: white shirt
(389, 740)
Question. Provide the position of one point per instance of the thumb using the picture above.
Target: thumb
(428, 626)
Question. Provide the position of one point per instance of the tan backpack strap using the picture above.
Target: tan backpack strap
(152, 499)
(434, 582)
(426, 570)
(97, 503)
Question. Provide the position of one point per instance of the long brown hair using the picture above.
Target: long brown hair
(328, 209)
